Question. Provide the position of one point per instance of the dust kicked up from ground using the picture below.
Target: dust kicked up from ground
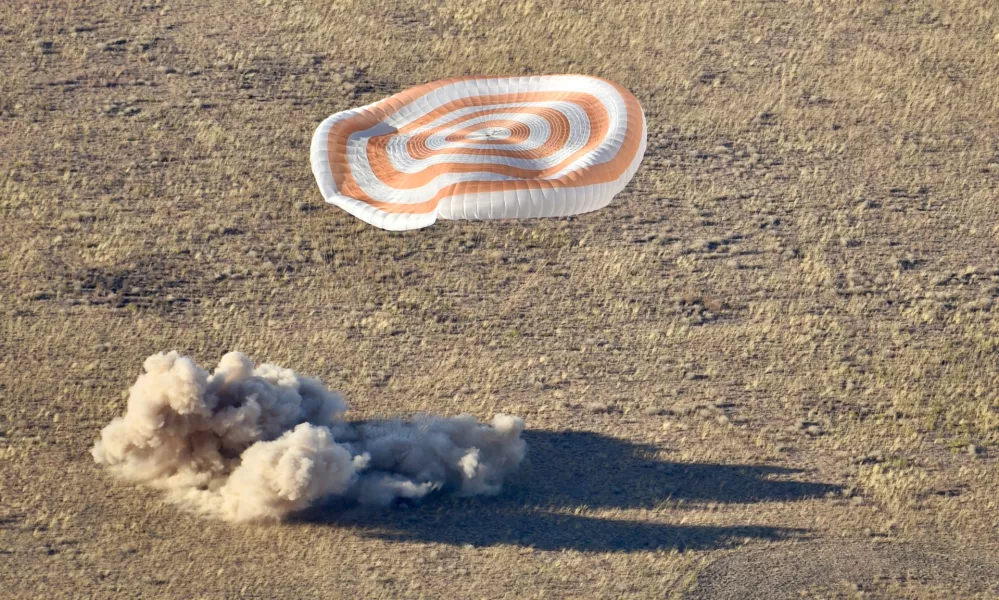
(258, 443)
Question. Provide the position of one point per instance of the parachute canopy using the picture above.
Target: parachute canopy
(481, 148)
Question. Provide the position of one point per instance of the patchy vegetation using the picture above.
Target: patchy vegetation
(797, 292)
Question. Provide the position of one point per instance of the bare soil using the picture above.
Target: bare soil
(768, 370)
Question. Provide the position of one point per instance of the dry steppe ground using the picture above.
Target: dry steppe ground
(770, 369)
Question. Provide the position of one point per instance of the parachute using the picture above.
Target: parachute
(481, 148)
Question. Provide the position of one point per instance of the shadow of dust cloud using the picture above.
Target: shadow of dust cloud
(578, 469)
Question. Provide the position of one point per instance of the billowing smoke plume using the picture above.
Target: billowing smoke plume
(252, 443)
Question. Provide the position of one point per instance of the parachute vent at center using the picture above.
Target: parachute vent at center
(481, 148)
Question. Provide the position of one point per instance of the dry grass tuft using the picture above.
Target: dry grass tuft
(802, 275)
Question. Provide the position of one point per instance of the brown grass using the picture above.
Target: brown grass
(802, 275)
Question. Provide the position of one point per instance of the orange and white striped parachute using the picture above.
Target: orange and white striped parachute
(481, 148)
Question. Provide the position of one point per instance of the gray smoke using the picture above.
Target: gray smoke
(250, 443)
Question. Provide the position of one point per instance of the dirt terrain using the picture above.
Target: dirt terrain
(769, 369)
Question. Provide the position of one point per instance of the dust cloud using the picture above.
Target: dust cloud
(253, 443)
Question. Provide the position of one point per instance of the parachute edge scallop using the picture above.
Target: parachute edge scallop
(327, 187)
